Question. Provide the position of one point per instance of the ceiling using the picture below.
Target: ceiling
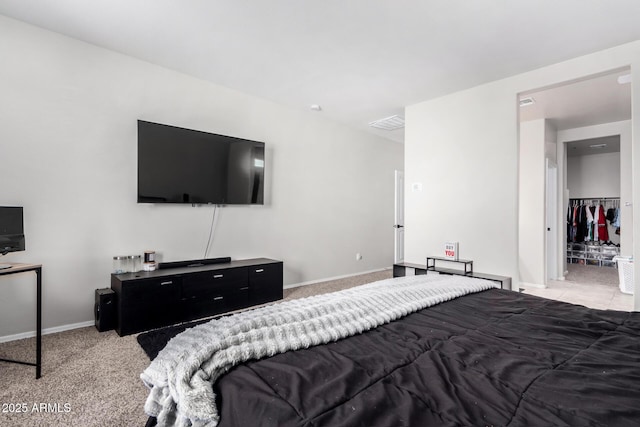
(585, 147)
(592, 101)
(360, 60)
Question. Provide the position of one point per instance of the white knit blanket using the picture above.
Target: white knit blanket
(181, 377)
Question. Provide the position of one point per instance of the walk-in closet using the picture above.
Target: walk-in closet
(593, 211)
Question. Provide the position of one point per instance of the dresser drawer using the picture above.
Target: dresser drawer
(210, 305)
(214, 282)
(267, 275)
(143, 317)
(150, 291)
(265, 283)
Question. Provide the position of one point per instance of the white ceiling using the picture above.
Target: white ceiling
(361, 60)
(596, 100)
(586, 147)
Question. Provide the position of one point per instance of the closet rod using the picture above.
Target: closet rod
(594, 198)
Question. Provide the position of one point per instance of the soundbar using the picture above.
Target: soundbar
(193, 263)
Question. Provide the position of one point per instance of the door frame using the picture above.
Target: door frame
(398, 221)
(551, 221)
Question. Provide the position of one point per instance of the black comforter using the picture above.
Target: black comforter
(495, 358)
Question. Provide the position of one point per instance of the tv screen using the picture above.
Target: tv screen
(177, 165)
(11, 229)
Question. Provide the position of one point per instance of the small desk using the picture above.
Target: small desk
(399, 270)
(431, 264)
(37, 268)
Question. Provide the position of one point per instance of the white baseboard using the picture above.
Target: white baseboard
(327, 279)
(46, 331)
(532, 285)
(69, 327)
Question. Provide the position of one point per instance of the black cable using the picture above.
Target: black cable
(213, 219)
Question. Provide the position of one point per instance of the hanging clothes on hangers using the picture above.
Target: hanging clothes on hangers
(601, 220)
(616, 221)
(570, 232)
(575, 224)
(594, 228)
(581, 219)
(589, 227)
(587, 219)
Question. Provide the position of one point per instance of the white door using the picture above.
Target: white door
(551, 220)
(398, 253)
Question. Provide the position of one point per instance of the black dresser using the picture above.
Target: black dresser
(147, 300)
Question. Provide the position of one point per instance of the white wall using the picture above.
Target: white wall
(531, 208)
(551, 154)
(537, 143)
(464, 149)
(68, 114)
(469, 177)
(594, 175)
(550, 142)
(634, 165)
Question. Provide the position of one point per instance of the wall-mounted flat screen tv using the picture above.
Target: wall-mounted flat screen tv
(177, 165)
(11, 229)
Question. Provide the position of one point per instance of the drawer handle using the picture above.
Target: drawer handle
(218, 276)
(244, 289)
(218, 298)
(260, 270)
(166, 283)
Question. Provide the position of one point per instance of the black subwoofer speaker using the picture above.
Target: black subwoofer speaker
(105, 309)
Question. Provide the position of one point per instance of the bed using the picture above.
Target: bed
(489, 357)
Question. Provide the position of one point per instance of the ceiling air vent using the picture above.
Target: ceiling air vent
(388, 123)
(527, 101)
(624, 79)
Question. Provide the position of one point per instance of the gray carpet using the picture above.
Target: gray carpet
(590, 274)
(95, 374)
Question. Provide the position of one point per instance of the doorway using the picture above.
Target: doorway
(558, 117)
(398, 227)
(551, 221)
(593, 210)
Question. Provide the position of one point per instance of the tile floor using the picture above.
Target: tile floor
(604, 297)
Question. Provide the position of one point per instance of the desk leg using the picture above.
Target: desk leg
(399, 271)
(38, 322)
